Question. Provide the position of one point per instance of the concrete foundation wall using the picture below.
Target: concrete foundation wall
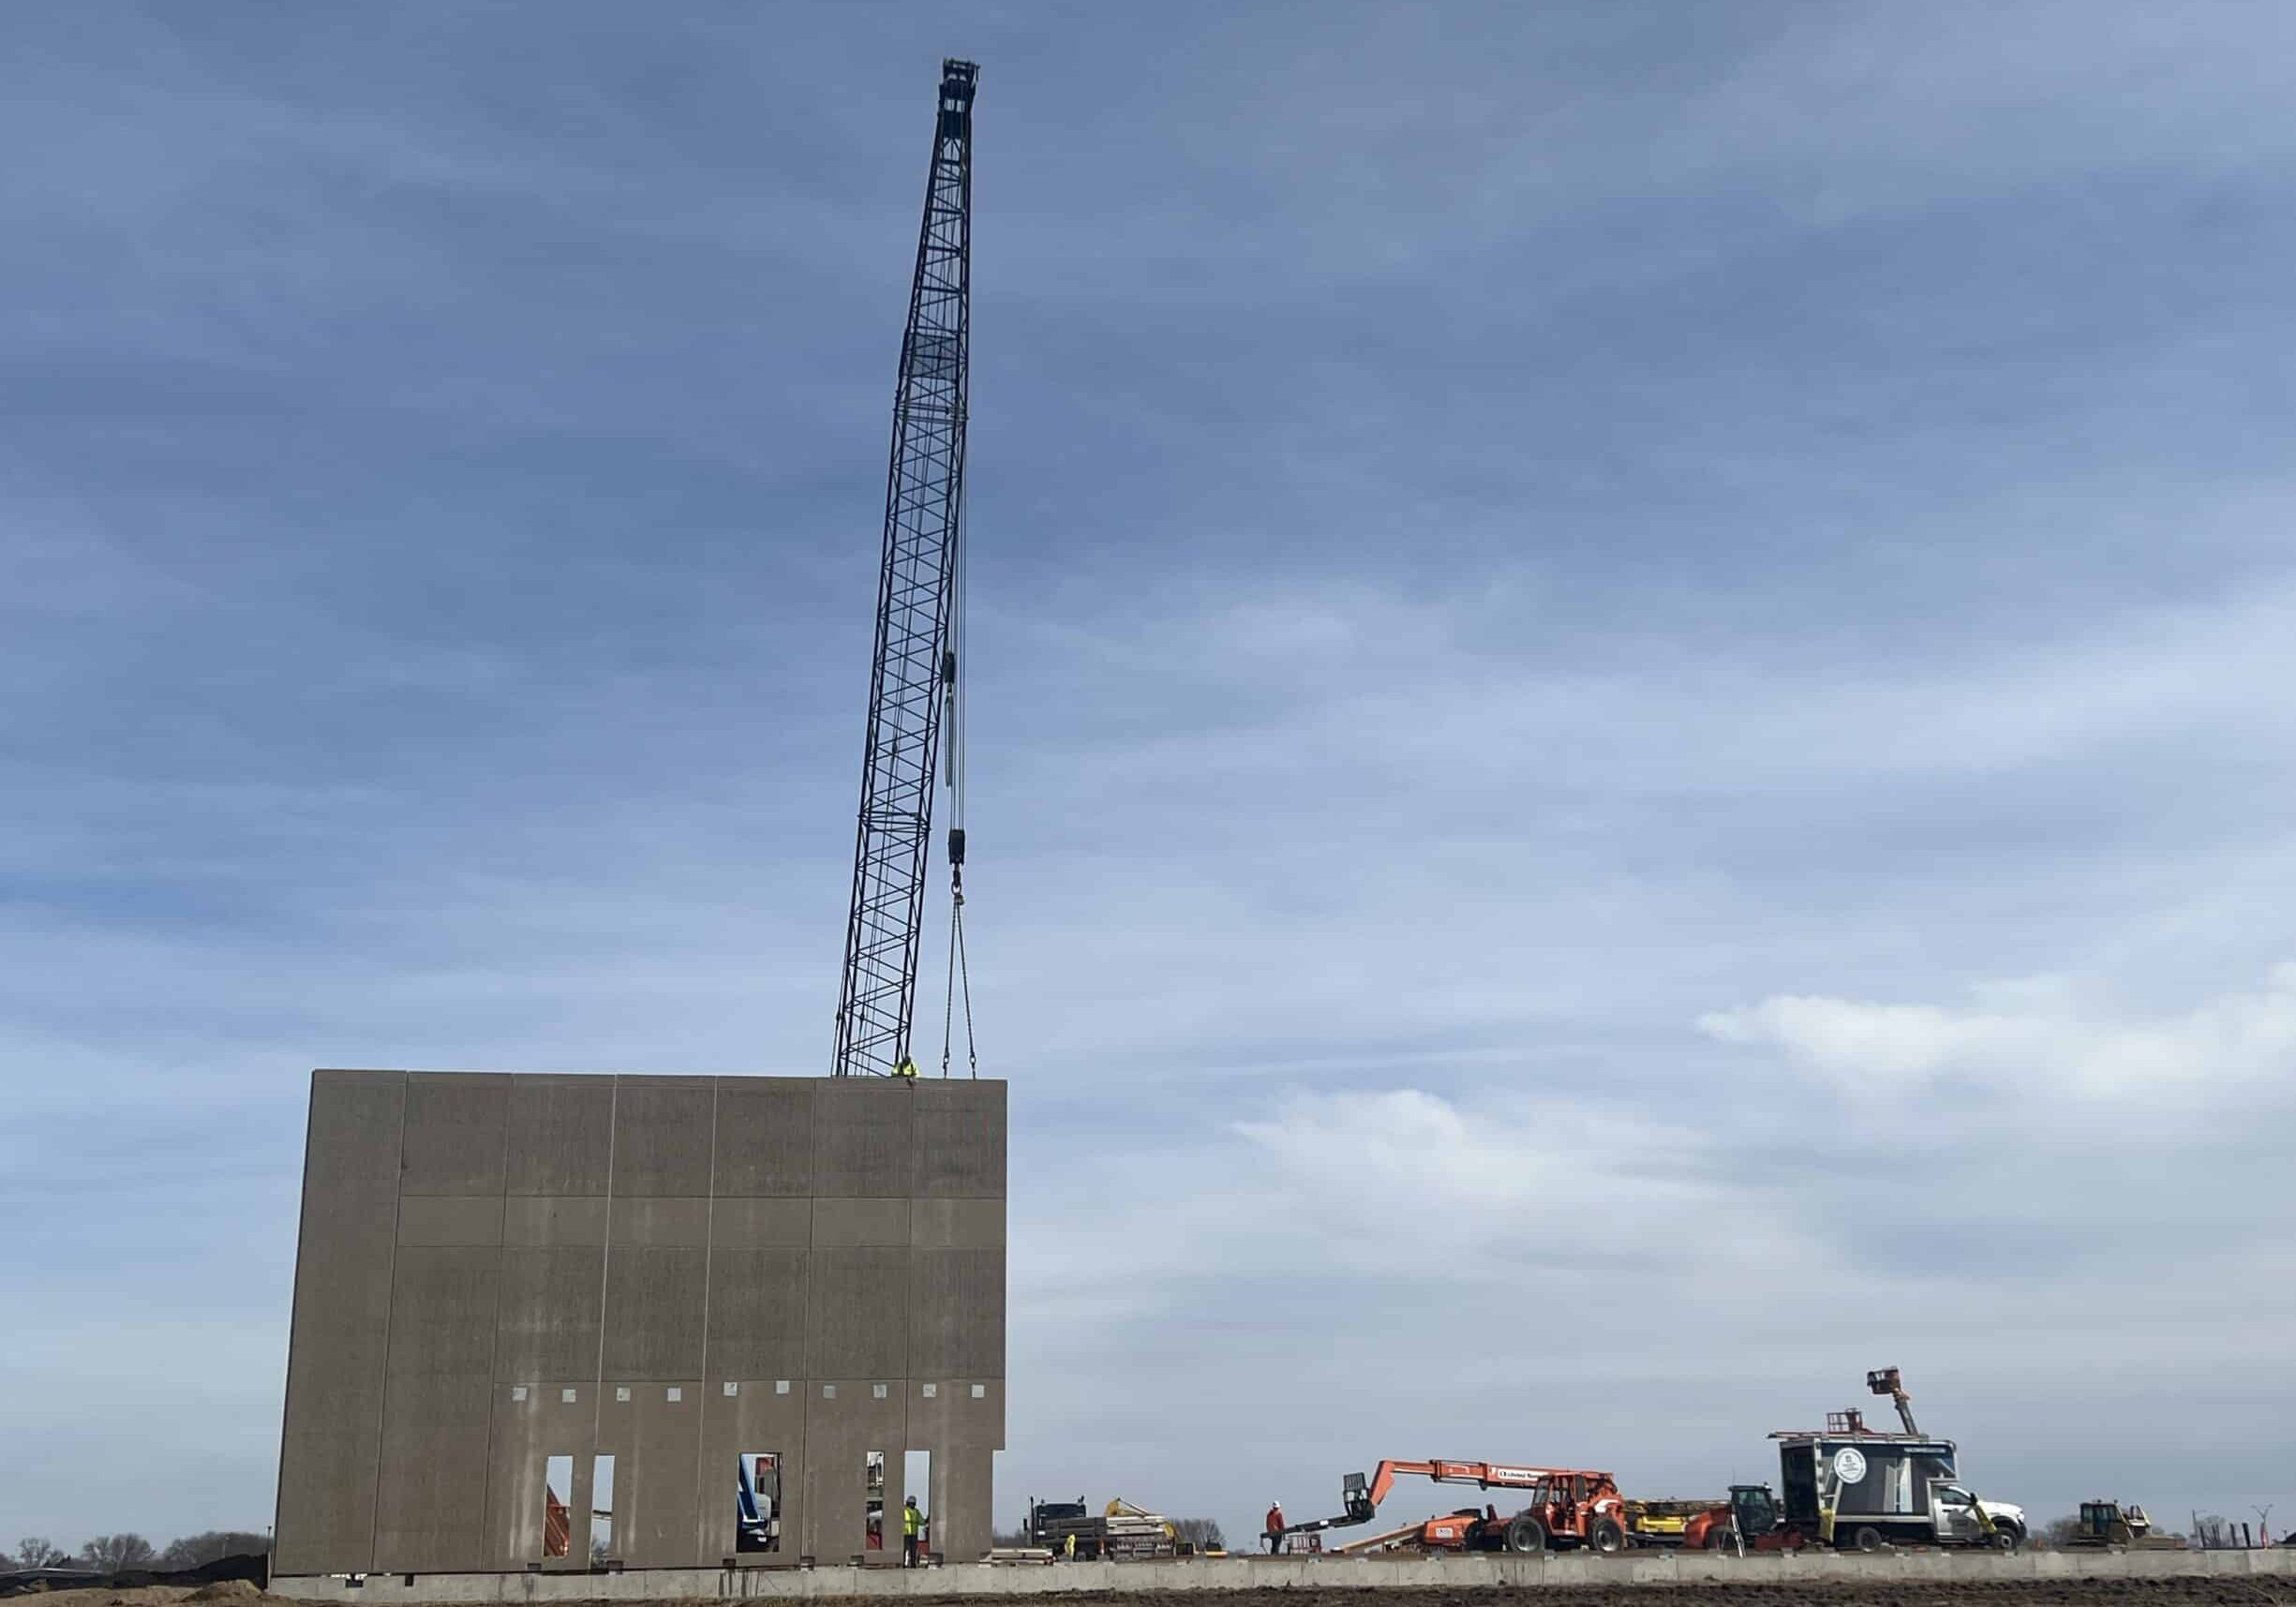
(1476, 1572)
(672, 1272)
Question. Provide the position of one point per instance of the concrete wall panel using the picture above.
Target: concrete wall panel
(460, 1318)
(655, 1297)
(554, 1219)
(450, 1219)
(532, 1422)
(652, 1221)
(662, 1135)
(755, 1417)
(656, 1444)
(862, 1132)
(844, 1420)
(552, 1299)
(442, 1309)
(753, 1222)
(430, 1502)
(960, 1138)
(561, 1135)
(455, 1132)
(858, 1309)
(757, 1313)
(957, 1313)
(766, 1136)
(332, 1431)
(840, 1223)
(957, 1224)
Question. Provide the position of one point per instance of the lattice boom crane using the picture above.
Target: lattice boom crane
(912, 703)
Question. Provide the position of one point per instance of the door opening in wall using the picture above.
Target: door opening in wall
(557, 1516)
(872, 1471)
(758, 1501)
(602, 1509)
(915, 1507)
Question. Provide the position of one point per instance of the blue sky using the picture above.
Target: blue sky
(1627, 690)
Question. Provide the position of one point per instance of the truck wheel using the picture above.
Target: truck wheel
(1607, 1537)
(1525, 1534)
(2007, 1539)
(1869, 1539)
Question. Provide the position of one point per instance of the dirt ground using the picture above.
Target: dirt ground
(2225, 1592)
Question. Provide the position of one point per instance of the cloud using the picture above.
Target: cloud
(2033, 1042)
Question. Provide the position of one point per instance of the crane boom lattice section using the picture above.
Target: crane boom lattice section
(924, 486)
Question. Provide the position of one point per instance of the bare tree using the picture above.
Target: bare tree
(194, 1550)
(110, 1554)
(2056, 1534)
(1202, 1533)
(35, 1551)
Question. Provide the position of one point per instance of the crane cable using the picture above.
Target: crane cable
(960, 971)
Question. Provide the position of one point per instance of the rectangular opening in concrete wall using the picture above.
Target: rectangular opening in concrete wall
(758, 1501)
(873, 1472)
(916, 1487)
(556, 1515)
(602, 1507)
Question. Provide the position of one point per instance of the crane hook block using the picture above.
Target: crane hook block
(956, 845)
(949, 666)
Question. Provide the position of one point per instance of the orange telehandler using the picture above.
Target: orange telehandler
(1564, 1506)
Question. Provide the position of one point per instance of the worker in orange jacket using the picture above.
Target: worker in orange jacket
(1276, 1527)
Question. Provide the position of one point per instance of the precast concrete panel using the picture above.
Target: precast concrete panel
(956, 1313)
(662, 1135)
(747, 1417)
(430, 1497)
(840, 1224)
(495, 1269)
(862, 1131)
(553, 1297)
(440, 1219)
(653, 1430)
(857, 1303)
(757, 1312)
(332, 1431)
(959, 1140)
(846, 1418)
(531, 1423)
(766, 1136)
(655, 1299)
(561, 1134)
(658, 1221)
(456, 1131)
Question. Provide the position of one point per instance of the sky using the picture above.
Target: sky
(1627, 684)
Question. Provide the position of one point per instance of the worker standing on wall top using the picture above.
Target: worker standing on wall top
(912, 1528)
(906, 1068)
(1276, 1527)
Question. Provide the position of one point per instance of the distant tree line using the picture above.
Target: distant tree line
(118, 1554)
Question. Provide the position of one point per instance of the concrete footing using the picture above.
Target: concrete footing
(1319, 1574)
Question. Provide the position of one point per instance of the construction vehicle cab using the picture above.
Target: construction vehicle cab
(2109, 1524)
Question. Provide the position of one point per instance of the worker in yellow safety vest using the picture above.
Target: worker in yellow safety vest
(906, 1068)
(912, 1528)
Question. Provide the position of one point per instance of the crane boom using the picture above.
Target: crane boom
(915, 663)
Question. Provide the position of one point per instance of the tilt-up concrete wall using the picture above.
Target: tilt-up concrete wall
(675, 1272)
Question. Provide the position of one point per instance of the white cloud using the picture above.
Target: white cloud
(2044, 1039)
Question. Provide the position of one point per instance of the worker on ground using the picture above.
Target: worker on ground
(912, 1528)
(1068, 1548)
(1276, 1527)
